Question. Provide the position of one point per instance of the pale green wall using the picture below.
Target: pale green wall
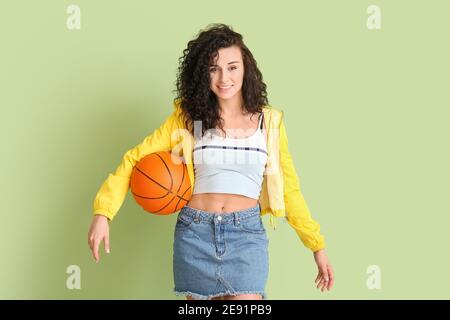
(366, 116)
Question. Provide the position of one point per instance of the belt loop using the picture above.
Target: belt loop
(197, 216)
(236, 218)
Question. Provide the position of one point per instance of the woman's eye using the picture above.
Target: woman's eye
(213, 69)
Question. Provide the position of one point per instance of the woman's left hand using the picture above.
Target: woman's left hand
(325, 276)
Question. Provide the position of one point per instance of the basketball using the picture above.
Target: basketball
(160, 185)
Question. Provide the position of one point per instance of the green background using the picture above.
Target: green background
(366, 117)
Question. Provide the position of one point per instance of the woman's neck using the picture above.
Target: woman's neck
(232, 107)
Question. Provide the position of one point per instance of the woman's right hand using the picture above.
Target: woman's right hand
(98, 231)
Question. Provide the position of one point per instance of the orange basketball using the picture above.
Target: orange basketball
(160, 185)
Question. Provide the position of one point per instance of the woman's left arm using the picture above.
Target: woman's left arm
(299, 216)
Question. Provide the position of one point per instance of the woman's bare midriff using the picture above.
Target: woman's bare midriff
(220, 203)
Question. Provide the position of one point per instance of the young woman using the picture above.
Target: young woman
(240, 168)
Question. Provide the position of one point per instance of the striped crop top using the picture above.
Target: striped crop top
(230, 165)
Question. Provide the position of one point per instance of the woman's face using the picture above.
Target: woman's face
(227, 73)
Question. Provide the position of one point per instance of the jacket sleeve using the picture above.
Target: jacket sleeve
(113, 191)
(298, 214)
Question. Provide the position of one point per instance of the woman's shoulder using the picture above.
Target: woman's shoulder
(275, 114)
(271, 108)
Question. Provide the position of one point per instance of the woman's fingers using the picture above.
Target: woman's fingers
(107, 243)
(319, 275)
(98, 232)
(96, 245)
(318, 282)
(321, 284)
(331, 275)
(324, 279)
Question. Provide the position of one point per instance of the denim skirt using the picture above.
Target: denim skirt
(216, 254)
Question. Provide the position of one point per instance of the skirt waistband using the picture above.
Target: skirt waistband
(200, 215)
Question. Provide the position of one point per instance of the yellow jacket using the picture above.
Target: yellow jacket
(280, 195)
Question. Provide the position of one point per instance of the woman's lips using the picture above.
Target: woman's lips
(224, 88)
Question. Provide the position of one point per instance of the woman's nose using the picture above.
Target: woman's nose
(223, 75)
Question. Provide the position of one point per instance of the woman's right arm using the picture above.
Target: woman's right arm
(112, 192)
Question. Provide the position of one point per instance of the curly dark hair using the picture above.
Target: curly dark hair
(197, 101)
